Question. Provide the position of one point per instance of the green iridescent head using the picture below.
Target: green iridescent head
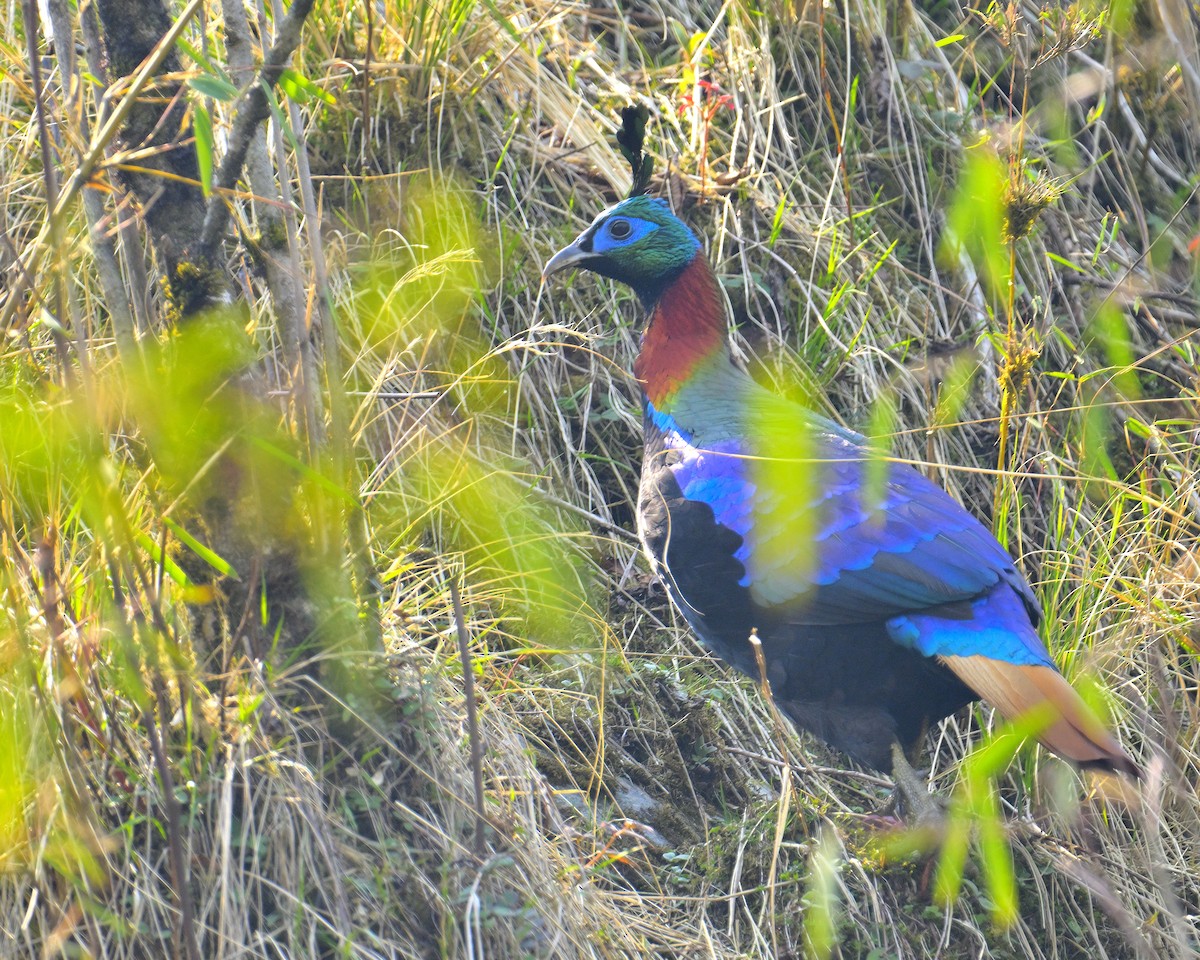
(639, 242)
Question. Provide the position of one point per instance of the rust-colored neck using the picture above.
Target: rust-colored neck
(686, 330)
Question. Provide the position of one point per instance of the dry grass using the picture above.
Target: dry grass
(636, 792)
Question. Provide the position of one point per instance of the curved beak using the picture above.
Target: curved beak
(568, 256)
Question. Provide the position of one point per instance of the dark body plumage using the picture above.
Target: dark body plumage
(849, 683)
(881, 604)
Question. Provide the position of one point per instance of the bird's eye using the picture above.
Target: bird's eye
(619, 229)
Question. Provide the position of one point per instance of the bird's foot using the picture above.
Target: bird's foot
(921, 809)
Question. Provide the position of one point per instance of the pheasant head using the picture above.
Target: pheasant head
(638, 242)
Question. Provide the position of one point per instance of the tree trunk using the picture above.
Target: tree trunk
(244, 503)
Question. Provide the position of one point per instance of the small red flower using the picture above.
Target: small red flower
(714, 98)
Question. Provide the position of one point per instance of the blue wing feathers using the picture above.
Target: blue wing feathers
(998, 628)
(896, 556)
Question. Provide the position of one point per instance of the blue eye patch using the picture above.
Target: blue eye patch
(619, 231)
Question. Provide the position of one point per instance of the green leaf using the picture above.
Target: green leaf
(1112, 334)
(880, 430)
(953, 38)
(504, 19)
(214, 87)
(302, 469)
(976, 809)
(821, 898)
(202, 125)
(1120, 16)
(297, 86)
(1094, 460)
(976, 221)
(202, 59)
(998, 871)
(957, 843)
(777, 223)
(49, 321)
(879, 262)
(1064, 262)
(170, 567)
(280, 117)
(214, 560)
(791, 474)
(992, 757)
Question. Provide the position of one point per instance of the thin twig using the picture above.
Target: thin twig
(253, 110)
(785, 784)
(179, 871)
(464, 655)
(50, 179)
(312, 324)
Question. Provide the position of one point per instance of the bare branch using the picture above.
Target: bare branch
(255, 108)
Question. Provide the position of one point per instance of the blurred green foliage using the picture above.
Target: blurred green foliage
(455, 486)
(975, 221)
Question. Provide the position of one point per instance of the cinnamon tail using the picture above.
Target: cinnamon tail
(1077, 735)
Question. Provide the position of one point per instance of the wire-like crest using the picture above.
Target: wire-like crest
(631, 137)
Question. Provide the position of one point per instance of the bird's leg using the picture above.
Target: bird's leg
(920, 807)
